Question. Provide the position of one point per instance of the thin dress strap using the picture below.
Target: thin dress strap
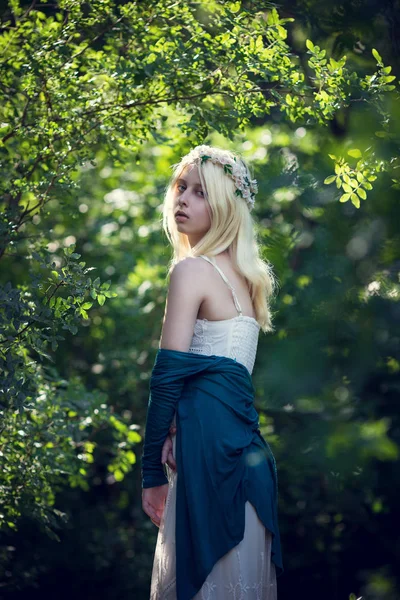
(235, 299)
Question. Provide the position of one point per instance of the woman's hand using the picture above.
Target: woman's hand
(167, 450)
(153, 502)
(153, 499)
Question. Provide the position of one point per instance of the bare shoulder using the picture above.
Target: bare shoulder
(188, 279)
(186, 292)
(190, 267)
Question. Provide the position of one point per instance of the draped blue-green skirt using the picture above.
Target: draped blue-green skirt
(222, 459)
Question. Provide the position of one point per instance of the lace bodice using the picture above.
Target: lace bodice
(235, 338)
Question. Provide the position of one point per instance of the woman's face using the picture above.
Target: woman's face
(190, 198)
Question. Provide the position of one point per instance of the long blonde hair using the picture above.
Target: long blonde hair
(232, 228)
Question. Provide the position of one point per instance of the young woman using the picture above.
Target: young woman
(216, 505)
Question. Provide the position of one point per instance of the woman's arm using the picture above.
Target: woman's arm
(182, 305)
(185, 294)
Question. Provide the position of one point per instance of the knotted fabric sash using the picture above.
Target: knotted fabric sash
(222, 459)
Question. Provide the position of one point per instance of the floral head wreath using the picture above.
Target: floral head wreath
(236, 169)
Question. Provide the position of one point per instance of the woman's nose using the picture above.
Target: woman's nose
(182, 197)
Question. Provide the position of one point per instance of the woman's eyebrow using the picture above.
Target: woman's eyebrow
(184, 181)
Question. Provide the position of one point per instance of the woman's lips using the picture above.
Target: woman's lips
(181, 217)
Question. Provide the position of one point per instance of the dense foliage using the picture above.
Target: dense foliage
(97, 101)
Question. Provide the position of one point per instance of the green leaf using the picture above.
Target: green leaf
(131, 456)
(355, 200)
(362, 193)
(87, 305)
(377, 56)
(273, 17)
(259, 44)
(310, 45)
(330, 179)
(355, 152)
(344, 198)
(282, 32)
(134, 437)
(101, 299)
(118, 474)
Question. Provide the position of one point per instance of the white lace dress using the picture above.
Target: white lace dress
(245, 572)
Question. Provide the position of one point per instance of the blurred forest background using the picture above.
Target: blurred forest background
(98, 99)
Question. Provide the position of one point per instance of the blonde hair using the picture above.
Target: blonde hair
(232, 228)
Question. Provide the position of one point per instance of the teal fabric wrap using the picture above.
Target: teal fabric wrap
(222, 459)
